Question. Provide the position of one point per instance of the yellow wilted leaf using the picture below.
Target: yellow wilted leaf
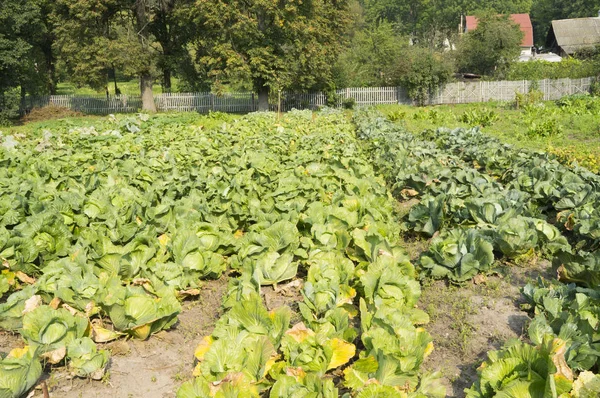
(270, 363)
(18, 352)
(203, 347)
(297, 373)
(32, 303)
(141, 332)
(299, 332)
(559, 348)
(346, 295)
(342, 352)
(23, 277)
(163, 239)
(428, 349)
(103, 335)
(55, 356)
(197, 371)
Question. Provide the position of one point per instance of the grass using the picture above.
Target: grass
(129, 87)
(575, 137)
(452, 304)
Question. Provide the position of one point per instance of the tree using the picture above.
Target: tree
(22, 66)
(371, 58)
(431, 22)
(491, 47)
(135, 36)
(270, 43)
(422, 71)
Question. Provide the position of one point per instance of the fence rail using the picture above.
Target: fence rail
(243, 102)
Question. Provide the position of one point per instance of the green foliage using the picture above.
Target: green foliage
(370, 58)
(479, 117)
(349, 103)
(595, 88)
(10, 101)
(269, 44)
(431, 23)
(527, 100)
(19, 372)
(491, 48)
(545, 128)
(579, 104)
(522, 370)
(458, 255)
(570, 313)
(568, 68)
(422, 72)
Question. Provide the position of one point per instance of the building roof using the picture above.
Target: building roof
(522, 20)
(572, 35)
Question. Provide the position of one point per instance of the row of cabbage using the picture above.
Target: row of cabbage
(356, 331)
(105, 228)
(480, 204)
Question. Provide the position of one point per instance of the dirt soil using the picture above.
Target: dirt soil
(154, 368)
(471, 319)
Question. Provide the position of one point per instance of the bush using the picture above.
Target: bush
(595, 88)
(544, 128)
(579, 105)
(538, 70)
(475, 117)
(533, 97)
(421, 72)
(395, 115)
(349, 103)
(10, 101)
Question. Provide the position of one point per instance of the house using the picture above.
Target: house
(522, 20)
(569, 36)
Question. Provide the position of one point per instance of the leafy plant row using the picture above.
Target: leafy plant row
(471, 214)
(104, 229)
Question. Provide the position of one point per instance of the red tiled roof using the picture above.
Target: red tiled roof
(520, 19)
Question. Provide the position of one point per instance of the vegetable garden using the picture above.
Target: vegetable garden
(106, 228)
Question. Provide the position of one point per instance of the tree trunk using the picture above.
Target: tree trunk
(166, 80)
(146, 79)
(147, 96)
(114, 73)
(52, 77)
(263, 96)
(50, 66)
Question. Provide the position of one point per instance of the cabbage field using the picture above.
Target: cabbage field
(109, 227)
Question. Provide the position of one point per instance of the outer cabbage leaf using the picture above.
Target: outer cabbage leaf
(19, 371)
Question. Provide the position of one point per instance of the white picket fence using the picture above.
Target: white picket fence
(243, 102)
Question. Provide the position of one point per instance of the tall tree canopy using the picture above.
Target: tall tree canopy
(430, 22)
(489, 49)
(24, 33)
(138, 37)
(270, 43)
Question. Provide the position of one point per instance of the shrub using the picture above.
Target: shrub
(421, 72)
(396, 115)
(538, 70)
(532, 97)
(579, 105)
(10, 101)
(544, 128)
(595, 88)
(349, 103)
(475, 117)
